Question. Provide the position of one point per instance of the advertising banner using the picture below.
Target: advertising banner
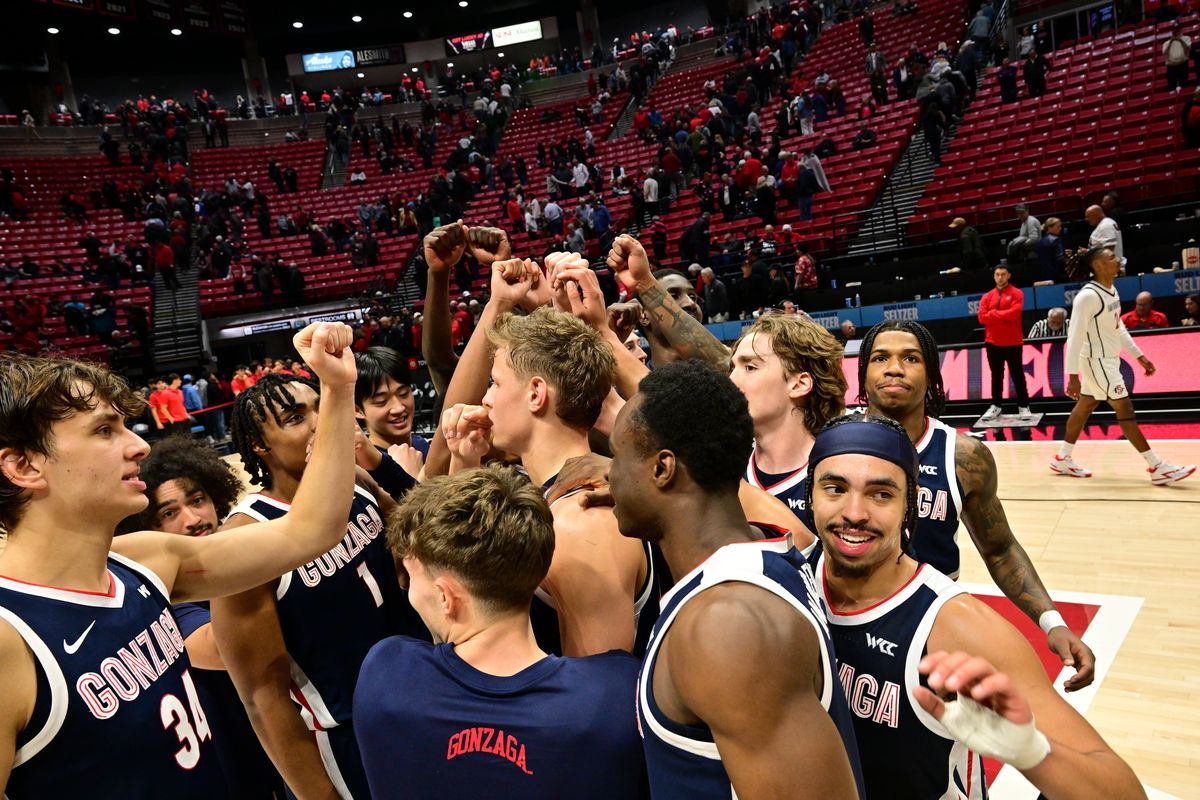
(323, 62)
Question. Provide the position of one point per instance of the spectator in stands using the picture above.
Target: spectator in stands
(164, 264)
(847, 332)
(864, 138)
(650, 193)
(764, 201)
(902, 80)
(1189, 119)
(1028, 235)
(1143, 315)
(1191, 307)
(553, 214)
(971, 254)
(805, 270)
(601, 219)
(30, 125)
(1177, 50)
(715, 296)
(1105, 233)
(1051, 255)
(695, 245)
(1054, 326)
(933, 123)
(1111, 204)
(1007, 76)
(1035, 69)
(980, 30)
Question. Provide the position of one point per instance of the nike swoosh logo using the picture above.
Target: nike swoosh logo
(71, 648)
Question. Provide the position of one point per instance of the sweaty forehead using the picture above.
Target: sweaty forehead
(896, 342)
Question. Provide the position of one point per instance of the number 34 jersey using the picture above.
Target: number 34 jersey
(117, 714)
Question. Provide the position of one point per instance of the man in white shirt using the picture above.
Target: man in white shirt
(1177, 50)
(650, 192)
(580, 177)
(1027, 237)
(1106, 233)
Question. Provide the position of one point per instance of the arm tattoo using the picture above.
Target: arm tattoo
(686, 335)
(1006, 560)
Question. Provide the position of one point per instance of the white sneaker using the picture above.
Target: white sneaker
(990, 414)
(1067, 466)
(1026, 413)
(1166, 473)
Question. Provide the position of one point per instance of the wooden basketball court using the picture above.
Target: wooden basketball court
(1116, 541)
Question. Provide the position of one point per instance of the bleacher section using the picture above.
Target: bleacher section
(855, 177)
(1107, 122)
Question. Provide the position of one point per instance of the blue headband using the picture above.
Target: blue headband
(865, 438)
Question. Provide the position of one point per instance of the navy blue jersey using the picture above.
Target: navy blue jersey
(563, 727)
(390, 476)
(334, 609)
(904, 751)
(117, 713)
(249, 774)
(682, 760)
(543, 614)
(939, 499)
(787, 486)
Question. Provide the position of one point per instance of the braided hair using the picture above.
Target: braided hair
(1079, 265)
(910, 492)
(935, 392)
(269, 396)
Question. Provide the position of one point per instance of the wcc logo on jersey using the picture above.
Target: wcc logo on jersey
(881, 644)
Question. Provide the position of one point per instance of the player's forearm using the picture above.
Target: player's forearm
(630, 371)
(202, 649)
(317, 519)
(288, 742)
(686, 335)
(469, 384)
(1068, 774)
(436, 344)
(1014, 574)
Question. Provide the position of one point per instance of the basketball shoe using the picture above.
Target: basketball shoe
(1067, 466)
(1166, 473)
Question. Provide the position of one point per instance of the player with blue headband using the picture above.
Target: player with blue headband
(936, 680)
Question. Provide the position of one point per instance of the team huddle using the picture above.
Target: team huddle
(598, 580)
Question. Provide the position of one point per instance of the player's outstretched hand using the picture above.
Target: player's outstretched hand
(325, 347)
(623, 318)
(586, 471)
(510, 281)
(366, 455)
(629, 263)
(989, 715)
(410, 459)
(1063, 642)
(444, 246)
(468, 434)
(488, 245)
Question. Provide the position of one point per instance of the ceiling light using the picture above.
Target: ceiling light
(499, 55)
(297, 24)
(408, 15)
(51, 30)
(449, 63)
(414, 69)
(356, 18)
(176, 32)
(362, 75)
(114, 31)
(462, 3)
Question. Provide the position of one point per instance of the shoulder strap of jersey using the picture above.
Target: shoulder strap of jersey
(145, 573)
(59, 692)
(261, 507)
(946, 590)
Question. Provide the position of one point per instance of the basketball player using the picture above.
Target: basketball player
(1094, 366)
(383, 403)
(790, 370)
(738, 695)
(899, 376)
(97, 698)
(190, 489)
(494, 713)
(549, 378)
(293, 644)
(888, 610)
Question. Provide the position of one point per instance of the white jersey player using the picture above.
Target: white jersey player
(1094, 346)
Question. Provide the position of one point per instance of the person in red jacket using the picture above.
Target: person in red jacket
(1000, 314)
(1143, 314)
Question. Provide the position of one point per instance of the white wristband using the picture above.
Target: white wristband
(990, 734)
(1051, 620)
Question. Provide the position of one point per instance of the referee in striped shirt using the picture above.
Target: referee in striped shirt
(1053, 326)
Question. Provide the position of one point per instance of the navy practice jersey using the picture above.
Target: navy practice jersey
(682, 760)
(249, 774)
(334, 609)
(117, 713)
(563, 727)
(905, 752)
(939, 499)
(544, 615)
(787, 486)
